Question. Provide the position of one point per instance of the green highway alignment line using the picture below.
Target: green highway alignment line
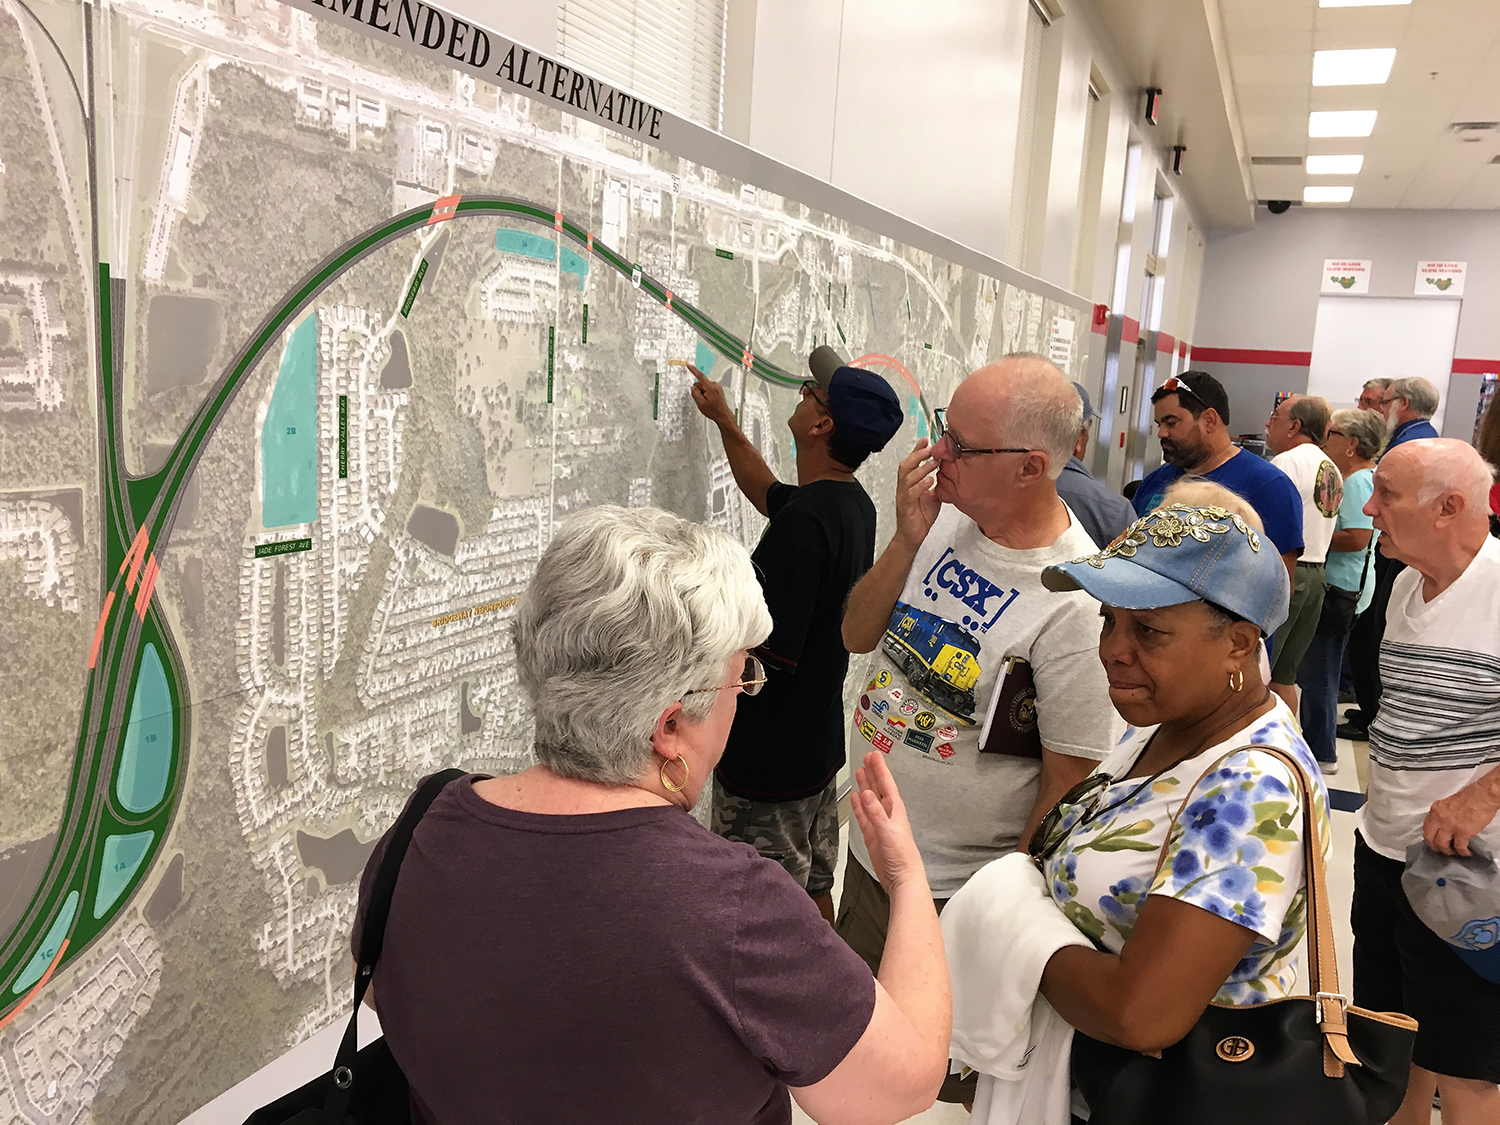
(89, 816)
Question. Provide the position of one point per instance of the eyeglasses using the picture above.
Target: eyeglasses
(750, 682)
(810, 389)
(1050, 833)
(1180, 386)
(940, 430)
(1331, 432)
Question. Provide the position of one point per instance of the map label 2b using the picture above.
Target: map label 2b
(282, 547)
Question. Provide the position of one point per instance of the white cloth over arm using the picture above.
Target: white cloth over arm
(999, 932)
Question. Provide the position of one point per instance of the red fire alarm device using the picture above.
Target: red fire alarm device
(1153, 104)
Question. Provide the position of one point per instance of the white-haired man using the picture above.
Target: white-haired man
(1434, 767)
(956, 607)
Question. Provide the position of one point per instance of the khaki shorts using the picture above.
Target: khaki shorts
(1296, 634)
(801, 835)
(863, 918)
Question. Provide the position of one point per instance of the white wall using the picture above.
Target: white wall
(1260, 287)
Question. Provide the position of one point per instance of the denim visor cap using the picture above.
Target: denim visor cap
(1179, 554)
(865, 411)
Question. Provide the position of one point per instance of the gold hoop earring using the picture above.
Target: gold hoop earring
(667, 781)
(1237, 680)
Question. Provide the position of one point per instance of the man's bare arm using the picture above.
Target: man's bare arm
(750, 470)
(1290, 560)
(1350, 539)
(1453, 821)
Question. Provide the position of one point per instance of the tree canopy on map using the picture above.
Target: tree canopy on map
(306, 347)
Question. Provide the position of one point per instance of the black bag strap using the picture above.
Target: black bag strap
(372, 938)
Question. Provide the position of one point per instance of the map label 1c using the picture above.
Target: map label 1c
(282, 547)
(416, 283)
(343, 437)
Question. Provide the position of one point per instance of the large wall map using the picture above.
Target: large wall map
(306, 345)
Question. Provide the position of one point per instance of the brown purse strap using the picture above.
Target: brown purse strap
(1323, 969)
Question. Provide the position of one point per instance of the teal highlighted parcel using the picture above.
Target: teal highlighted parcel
(537, 246)
(289, 439)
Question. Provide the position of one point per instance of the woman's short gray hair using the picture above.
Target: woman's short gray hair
(1368, 428)
(630, 609)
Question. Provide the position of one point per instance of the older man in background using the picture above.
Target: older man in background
(1434, 768)
(1294, 434)
(1373, 395)
(1409, 404)
(1104, 514)
(956, 607)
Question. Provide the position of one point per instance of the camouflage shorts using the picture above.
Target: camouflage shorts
(802, 835)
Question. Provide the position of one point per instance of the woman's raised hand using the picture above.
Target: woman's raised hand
(882, 818)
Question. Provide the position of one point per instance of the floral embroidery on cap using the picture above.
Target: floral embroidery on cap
(1168, 526)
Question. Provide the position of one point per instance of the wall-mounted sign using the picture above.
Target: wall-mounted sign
(1446, 278)
(1346, 276)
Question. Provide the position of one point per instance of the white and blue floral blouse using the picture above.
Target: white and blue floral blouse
(1236, 851)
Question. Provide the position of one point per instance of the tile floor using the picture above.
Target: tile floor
(1347, 787)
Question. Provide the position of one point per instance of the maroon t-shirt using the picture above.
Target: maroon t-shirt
(625, 967)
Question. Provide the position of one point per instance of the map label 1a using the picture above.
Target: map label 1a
(585, 339)
(656, 399)
(343, 437)
(551, 352)
(729, 254)
(416, 283)
(282, 547)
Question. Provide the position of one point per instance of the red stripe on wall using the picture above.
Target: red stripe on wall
(1252, 355)
(1130, 331)
(1475, 366)
(1165, 343)
(1182, 348)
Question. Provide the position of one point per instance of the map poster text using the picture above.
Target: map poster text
(585, 338)
(416, 283)
(551, 357)
(343, 437)
(282, 547)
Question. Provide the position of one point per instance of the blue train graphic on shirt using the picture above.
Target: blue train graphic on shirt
(938, 657)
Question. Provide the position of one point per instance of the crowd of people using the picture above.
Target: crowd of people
(1091, 736)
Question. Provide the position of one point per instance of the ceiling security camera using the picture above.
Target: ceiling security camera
(1278, 206)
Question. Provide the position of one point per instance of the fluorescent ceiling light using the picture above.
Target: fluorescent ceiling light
(1341, 123)
(1327, 194)
(1334, 165)
(1353, 68)
(1359, 3)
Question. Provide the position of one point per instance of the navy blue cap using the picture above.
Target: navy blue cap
(1088, 407)
(865, 411)
(1458, 898)
(1177, 554)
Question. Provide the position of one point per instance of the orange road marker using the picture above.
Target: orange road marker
(747, 358)
(557, 221)
(148, 583)
(16, 1011)
(134, 557)
(444, 208)
(669, 298)
(591, 242)
(109, 600)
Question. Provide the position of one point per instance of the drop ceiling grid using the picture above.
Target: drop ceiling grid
(1412, 159)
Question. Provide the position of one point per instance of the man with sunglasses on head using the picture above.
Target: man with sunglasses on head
(956, 613)
(1192, 423)
(776, 787)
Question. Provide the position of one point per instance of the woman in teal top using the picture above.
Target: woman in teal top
(1355, 438)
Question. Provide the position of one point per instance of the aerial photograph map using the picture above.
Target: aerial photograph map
(307, 345)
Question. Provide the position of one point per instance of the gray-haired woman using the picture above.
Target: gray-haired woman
(567, 944)
(1353, 441)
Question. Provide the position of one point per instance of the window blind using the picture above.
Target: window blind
(1017, 235)
(669, 52)
(1087, 189)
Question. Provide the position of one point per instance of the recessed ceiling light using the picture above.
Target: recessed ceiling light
(1359, 3)
(1327, 194)
(1353, 68)
(1334, 165)
(1341, 123)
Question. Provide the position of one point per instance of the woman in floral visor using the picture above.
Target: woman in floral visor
(1181, 857)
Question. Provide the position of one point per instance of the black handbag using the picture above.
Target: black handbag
(1301, 1060)
(363, 1087)
(1341, 606)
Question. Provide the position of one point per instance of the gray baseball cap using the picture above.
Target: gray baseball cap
(1458, 898)
(1177, 554)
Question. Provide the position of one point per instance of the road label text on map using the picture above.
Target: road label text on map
(282, 547)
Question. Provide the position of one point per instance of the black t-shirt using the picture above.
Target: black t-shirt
(788, 741)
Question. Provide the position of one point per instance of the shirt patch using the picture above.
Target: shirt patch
(922, 742)
(984, 600)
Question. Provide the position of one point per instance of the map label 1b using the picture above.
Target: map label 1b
(282, 547)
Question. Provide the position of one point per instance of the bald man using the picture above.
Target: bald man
(1434, 768)
(955, 596)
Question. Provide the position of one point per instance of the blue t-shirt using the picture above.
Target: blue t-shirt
(1344, 566)
(1264, 487)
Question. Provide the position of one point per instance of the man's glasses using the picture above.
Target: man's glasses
(810, 389)
(750, 682)
(1180, 386)
(940, 431)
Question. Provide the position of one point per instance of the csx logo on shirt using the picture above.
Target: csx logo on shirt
(985, 599)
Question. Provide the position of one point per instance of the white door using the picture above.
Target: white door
(1359, 338)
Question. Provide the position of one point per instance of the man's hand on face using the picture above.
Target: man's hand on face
(709, 398)
(917, 505)
(1453, 821)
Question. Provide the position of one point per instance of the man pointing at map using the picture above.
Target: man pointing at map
(776, 786)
